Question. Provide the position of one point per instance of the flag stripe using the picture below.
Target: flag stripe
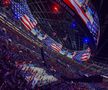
(80, 11)
(73, 5)
(31, 24)
(85, 56)
(25, 23)
(55, 47)
(28, 20)
(34, 22)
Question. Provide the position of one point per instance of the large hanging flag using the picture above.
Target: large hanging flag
(73, 5)
(21, 12)
(26, 22)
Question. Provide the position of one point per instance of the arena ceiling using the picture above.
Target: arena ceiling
(58, 23)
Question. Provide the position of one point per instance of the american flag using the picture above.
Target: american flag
(21, 12)
(74, 5)
(52, 44)
(85, 57)
(26, 22)
(56, 47)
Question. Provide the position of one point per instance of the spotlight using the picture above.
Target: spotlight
(73, 24)
(86, 40)
(6, 3)
(55, 8)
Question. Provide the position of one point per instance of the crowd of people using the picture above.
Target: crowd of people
(25, 66)
(11, 51)
(20, 64)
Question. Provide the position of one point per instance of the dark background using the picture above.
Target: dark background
(102, 50)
